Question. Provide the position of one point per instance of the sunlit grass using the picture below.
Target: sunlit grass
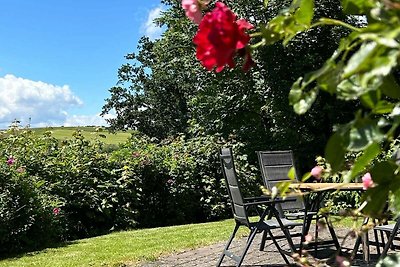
(132, 247)
(89, 133)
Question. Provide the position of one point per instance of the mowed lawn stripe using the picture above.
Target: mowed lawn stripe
(130, 247)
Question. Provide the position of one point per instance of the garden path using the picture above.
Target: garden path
(209, 255)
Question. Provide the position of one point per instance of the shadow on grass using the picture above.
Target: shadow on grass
(36, 251)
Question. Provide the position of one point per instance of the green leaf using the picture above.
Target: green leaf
(372, 61)
(365, 159)
(299, 99)
(383, 107)
(306, 101)
(356, 7)
(305, 13)
(289, 23)
(371, 98)
(390, 87)
(376, 198)
(330, 76)
(335, 152)
(351, 89)
(395, 188)
(283, 187)
(364, 132)
(271, 33)
(292, 173)
(359, 60)
(383, 173)
(306, 176)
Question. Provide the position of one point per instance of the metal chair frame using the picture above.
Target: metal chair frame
(274, 166)
(391, 231)
(269, 218)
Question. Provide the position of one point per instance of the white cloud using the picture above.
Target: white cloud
(45, 103)
(149, 27)
(87, 120)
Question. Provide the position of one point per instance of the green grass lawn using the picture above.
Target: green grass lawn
(89, 133)
(119, 248)
(130, 247)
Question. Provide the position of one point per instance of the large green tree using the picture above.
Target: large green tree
(164, 91)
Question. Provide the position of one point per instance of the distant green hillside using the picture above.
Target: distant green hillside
(89, 133)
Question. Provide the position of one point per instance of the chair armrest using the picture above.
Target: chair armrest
(268, 201)
(260, 198)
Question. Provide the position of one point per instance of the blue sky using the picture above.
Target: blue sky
(59, 58)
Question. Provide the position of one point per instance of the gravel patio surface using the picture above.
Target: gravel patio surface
(208, 256)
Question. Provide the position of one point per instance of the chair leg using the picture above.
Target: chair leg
(390, 240)
(228, 244)
(264, 238)
(332, 232)
(278, 247)
(316, 236)
(377, 242)
(246, 248)
(305, 230)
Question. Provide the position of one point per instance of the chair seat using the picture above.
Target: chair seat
(273, 223)
(299, 215)
(385, 227)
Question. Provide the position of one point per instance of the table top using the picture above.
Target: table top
(326, 186)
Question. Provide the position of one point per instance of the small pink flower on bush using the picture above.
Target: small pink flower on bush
(135, 154)
(21, 169)
(367, 181)
(316, 172)
(193, 10)
(10, 161)
(56, 211)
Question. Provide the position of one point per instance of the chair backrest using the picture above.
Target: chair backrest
(232, 184)
(274, 166)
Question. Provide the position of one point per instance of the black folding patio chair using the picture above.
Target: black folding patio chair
(388, 233)
(240, 208)
(275, 166)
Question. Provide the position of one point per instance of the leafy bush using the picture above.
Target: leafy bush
(140, 184)
(179, 180)
(27, 219)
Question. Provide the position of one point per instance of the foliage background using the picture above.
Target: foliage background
(138, 184)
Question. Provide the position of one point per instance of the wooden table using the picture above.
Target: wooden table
(326, 186)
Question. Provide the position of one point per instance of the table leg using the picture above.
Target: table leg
(363, 240)
(365, 244)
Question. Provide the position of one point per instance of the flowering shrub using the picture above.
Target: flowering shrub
(180, 179)
(26, 218)
(62, 190)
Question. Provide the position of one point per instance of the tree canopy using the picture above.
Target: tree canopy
(163, 91)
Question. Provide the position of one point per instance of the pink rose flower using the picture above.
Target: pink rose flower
(220, 37)
(193, 10)
(367, 181)
(56, 211)
(10, 161)
(316, 172)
